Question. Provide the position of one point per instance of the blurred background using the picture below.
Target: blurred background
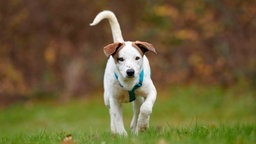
(48, 49)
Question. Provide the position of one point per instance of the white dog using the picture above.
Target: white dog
(127, 78)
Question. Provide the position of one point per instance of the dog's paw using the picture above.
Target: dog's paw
(124, 134)
(142, 126)
(135, 131)
(121, 134)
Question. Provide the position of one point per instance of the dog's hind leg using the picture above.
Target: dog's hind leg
(116, 118)
(136, 110)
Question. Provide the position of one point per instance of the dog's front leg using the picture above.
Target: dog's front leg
(116, 118)
(136, 110)
(146, 110)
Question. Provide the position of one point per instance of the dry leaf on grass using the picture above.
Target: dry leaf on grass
(68, 140)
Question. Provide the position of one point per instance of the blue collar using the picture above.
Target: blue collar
(139, 84)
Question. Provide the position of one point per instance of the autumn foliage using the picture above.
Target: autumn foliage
(47, 46)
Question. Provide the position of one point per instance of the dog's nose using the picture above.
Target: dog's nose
(130, 72)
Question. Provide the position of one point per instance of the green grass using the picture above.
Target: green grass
(187, 114)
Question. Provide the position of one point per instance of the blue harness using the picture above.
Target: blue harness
(139, 84)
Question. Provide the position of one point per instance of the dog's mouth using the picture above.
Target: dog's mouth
(130, 77)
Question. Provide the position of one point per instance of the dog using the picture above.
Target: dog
(127, 78)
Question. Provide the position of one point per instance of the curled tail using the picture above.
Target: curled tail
(115, 27)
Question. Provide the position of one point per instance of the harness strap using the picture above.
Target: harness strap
(132, 96)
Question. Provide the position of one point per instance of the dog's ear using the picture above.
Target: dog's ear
(145, 46)
(111, 49)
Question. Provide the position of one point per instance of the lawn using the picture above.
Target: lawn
(182, 114)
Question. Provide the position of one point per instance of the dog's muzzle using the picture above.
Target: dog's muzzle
(130, 72)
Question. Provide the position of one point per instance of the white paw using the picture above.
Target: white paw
(142, 126)
(120, 132)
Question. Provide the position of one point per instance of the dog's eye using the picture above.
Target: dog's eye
(120, 59)
(137, 58)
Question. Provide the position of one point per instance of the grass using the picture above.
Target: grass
(187, 114)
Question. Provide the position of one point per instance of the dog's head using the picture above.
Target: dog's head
(128, 56)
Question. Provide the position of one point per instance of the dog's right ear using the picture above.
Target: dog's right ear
(111, 49)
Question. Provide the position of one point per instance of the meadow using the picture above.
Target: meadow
(182, 114)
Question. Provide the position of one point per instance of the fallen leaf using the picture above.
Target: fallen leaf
(68, 140)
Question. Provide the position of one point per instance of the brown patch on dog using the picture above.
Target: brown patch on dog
(139, 50)
(115, 55)
(113, 48)
(144, 47)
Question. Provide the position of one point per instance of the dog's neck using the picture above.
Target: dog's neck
(132, 90)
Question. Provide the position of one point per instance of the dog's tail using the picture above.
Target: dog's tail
(115, 27)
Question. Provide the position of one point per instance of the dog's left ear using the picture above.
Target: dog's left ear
(145, 46)
(112, 48)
